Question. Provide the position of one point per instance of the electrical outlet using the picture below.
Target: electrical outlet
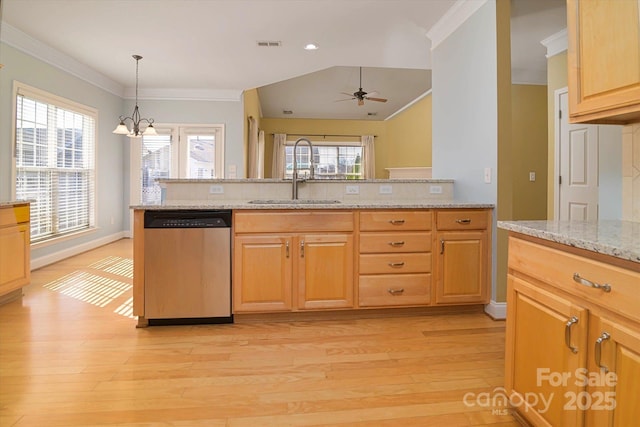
(216, 189)
(385, 189)
(352, 189)
(435, 189)
(532, 176)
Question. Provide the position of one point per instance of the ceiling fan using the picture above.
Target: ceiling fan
(361, 95)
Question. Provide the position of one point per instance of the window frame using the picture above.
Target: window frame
(316, 144)
(43, 96)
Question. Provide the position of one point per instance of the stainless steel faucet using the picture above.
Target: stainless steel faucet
(294, 188)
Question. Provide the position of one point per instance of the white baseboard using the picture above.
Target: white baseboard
(497, 310)
(66, 253)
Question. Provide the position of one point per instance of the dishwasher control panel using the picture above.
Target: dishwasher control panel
(187, 219)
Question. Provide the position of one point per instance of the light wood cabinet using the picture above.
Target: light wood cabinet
(15, 251)
(395, 258)
(603, 61)
(462, 256)
(276, 270)
(573, 335)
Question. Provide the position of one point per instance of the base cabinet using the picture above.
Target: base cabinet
(572, 351)
(15, 250)
(462, 257)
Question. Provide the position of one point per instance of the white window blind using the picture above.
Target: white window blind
(331, 160)
(55, 162)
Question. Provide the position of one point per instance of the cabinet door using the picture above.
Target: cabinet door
(325, 271)
(603, 61)
(614, 375)
(462, 267)
(262, 273)
(546, 343)
(15, 268)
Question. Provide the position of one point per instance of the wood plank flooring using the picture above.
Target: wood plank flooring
(70, 355)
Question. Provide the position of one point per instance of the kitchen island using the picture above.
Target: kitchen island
(15, 250)
(573, 312)
(339, 253)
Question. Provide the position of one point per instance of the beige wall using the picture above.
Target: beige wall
(251, 109)
(529, 151)
(631, 173)
(556, 79)
(404, 140)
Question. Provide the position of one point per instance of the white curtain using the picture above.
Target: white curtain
(369, 156)
(279, 142)
(255, 150)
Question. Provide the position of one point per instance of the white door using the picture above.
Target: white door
(578, 168)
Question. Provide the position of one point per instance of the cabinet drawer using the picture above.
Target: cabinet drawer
(395, 242)
(557, 268)
(292, 222)
(395, 263)
(395, 220)
(462, 220)
(14, 215)
(394, 289)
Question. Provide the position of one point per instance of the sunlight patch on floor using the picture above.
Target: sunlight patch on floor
(126, 309)
(115, 265)
(87, 287)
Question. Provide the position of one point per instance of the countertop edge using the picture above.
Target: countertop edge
(245, 205)
(620, 239)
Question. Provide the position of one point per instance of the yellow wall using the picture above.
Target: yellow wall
(409, 135)
(251, 109)
(404, 140)
(556, 79)
(529, 151)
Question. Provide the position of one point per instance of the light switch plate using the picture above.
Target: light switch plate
(487, 175)
(532, 176)
(435, 189)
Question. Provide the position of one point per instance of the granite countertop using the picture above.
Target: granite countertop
(10, 203)
(317, 204)
(620, 239)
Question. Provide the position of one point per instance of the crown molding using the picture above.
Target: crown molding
(43, 52)
(39, 50)
(453, 19)
(220, 95)
(556, 43)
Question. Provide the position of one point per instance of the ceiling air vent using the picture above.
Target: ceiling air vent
(267, 43)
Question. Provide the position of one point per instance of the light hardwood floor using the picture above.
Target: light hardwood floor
(70, 355)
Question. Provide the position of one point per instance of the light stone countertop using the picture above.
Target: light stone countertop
(620, 239)
(10, 203)
(302, 205)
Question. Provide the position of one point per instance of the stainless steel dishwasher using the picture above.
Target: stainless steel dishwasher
(187, 266)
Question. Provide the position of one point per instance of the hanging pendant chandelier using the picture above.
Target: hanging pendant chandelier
(135, 118)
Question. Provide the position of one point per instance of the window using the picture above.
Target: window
(332, 161)
(54, 162)
(195, 152)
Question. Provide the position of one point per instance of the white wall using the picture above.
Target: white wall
(610, 172)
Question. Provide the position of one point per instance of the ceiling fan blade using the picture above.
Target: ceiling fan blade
(370, 94)
(376, 99)
(348, 94)
(340, 100)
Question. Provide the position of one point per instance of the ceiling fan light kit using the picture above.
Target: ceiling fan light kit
(361, 95)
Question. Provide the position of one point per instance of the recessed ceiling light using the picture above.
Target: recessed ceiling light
(311, 46)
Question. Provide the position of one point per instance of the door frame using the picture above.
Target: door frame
(556, 161)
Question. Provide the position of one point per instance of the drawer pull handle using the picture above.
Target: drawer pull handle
(577, 278)
(598, 353)
(567, 333)
(286, 245)
(396, 221)
(302, 249)
(396, 264)
(396, 244)
(464, 221)
(395, 291)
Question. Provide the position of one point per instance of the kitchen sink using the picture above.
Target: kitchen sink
(294, 202)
